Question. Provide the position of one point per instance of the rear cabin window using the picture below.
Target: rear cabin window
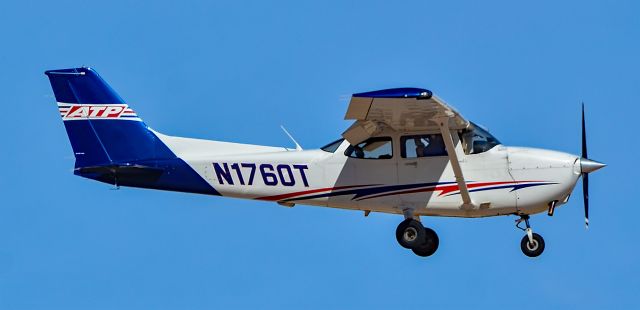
(333, 146)
(372, 148)
(423, 146)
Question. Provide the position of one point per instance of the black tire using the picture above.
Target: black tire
(410, 233)
(532, 250)
(429, 246)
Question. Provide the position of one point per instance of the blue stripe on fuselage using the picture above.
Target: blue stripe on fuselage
(127, 153)
(362, 192)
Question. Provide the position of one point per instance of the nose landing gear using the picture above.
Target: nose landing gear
(411, 234)
(532, 244)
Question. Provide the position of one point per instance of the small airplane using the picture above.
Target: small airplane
(407, 152)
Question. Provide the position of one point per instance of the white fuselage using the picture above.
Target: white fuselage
(503, 180)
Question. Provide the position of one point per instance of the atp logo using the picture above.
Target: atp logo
(83, 111)
(108, 111)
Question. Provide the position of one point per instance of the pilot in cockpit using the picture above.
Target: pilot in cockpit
(434, 145)
(419, 146)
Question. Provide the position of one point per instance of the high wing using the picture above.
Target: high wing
(403, 109)
(407, 110)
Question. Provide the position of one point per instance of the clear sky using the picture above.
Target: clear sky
(236, 71)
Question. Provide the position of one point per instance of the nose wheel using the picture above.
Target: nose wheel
(411, 234)
(532, 244)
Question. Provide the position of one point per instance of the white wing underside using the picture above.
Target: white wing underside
(401, 114)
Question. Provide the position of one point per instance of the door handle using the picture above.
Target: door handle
(413, 163)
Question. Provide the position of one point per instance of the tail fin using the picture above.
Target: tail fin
(102, 128)
(111, 143)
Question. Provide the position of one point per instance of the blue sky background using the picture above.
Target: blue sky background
(235, 71)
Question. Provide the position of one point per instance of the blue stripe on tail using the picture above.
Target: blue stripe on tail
(111, 144)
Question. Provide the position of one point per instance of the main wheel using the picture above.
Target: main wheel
(430, 244)
(410, 233)
(532, 249)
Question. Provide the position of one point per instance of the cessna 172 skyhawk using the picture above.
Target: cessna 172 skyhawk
(407, 153)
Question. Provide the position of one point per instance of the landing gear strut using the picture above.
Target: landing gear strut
(412, 235)
(532, 244)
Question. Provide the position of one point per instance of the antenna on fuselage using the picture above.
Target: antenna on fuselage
(298, 147)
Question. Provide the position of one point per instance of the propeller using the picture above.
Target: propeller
(586, 166)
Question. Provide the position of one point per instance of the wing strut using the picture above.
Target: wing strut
(443, 123)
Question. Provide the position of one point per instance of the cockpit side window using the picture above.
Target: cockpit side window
(333, 146)
(423, 146)
(372, 148)
(477, 140)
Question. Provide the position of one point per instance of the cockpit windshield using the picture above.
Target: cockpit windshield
(333, 146)
(477, 140)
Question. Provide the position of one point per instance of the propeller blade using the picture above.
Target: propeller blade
(584, 136)
(585, 176)
(585, 196)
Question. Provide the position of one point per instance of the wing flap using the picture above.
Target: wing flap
(360, 131)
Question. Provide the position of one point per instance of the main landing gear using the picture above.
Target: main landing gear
(421, 240)
(532, 244)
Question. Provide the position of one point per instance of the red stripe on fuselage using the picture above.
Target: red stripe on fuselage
(312, 191)
(445, 189)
